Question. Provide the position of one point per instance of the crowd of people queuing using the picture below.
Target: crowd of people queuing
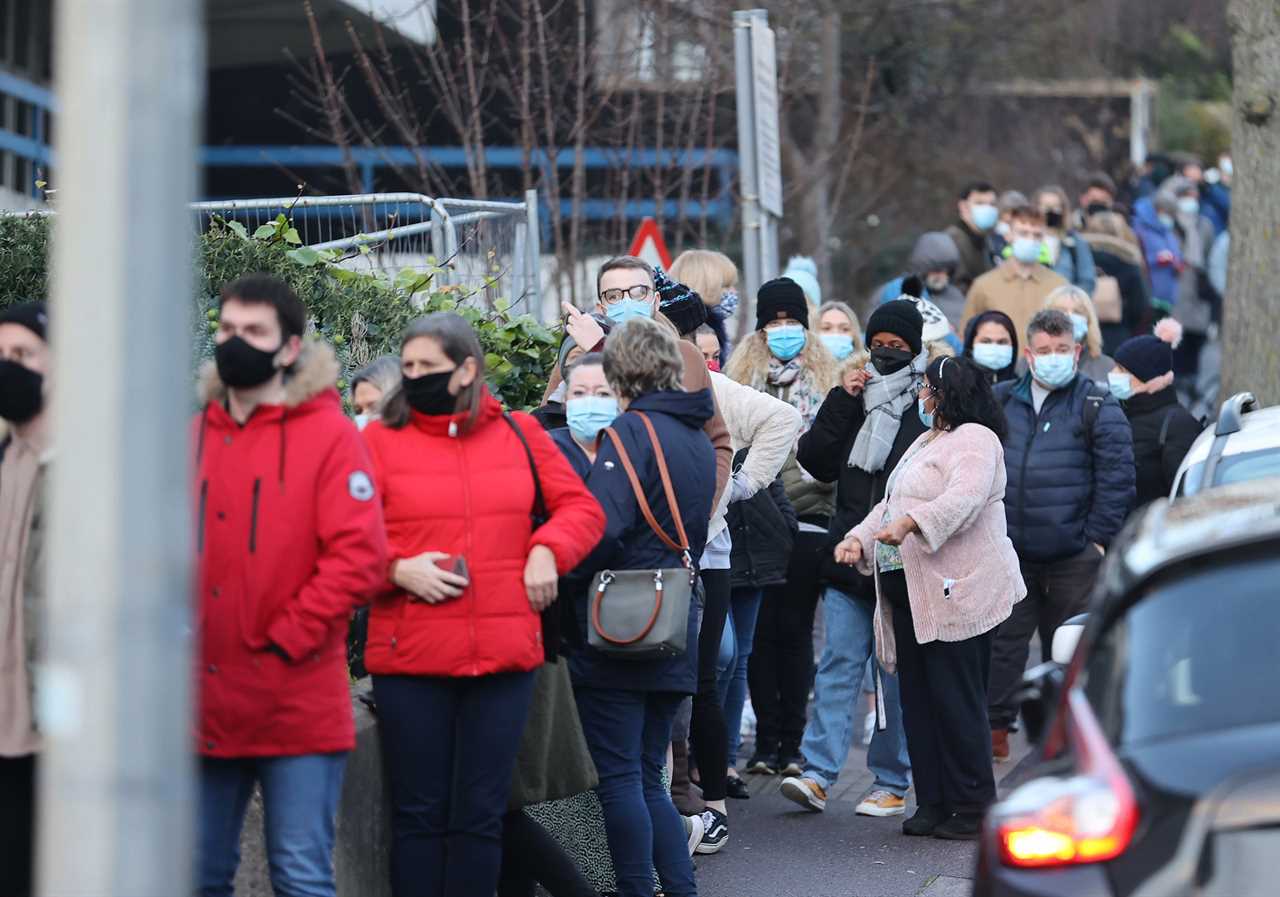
(568, 611)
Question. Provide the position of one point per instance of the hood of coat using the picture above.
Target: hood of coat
(315, 371)
(693, 409)
(1116, 246)
(933, 252)
(998, 317)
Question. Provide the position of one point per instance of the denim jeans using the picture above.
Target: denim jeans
(299, 801)
(627, 733)
(449, 746)
(735, 653)
(837, 701)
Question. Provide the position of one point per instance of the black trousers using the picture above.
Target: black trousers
(1056, 591)
(706, 726)
(943, 688)
(17, 824)
(531, 857)
(780, 672)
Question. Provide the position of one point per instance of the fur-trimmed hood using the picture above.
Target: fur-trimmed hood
(315, 371)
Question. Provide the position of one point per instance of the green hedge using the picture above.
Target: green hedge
(361, 315)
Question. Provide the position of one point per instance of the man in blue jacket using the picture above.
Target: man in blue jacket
(1069, 456)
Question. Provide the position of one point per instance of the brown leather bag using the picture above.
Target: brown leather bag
(1107, 300)
(644, 614)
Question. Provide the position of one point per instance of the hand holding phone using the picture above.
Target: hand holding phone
(423, 577)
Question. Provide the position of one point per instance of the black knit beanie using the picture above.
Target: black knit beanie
(781, 298)
(1146, 357)
(32, 315)
(680, 305)
(899, 317)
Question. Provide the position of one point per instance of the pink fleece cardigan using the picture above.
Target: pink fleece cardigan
(962, 572)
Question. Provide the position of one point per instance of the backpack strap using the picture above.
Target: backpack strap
(1164, 426)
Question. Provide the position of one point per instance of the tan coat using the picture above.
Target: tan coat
(1008, 290)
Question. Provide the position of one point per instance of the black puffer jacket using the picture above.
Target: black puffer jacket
(824, 452)
(764, 531)
(1162, 435)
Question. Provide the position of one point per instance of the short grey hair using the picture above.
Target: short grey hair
(640, 357)
(1052, 322)
(383, 374)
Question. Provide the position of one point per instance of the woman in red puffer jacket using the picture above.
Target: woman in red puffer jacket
(453, 644)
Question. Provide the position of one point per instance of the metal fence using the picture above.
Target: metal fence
(489, 250)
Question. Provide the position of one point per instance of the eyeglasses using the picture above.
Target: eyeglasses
(639, 291)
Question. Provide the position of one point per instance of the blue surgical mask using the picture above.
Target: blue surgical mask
(728, 303)
(362, 421)
(1121, 385)
(1026, 250)
(984, 215)
(786, 342)
(589, 415)
(925, 417)
(839, 344)
(1054, 371)
(1189, 205)
(1166, 220)
(625, 310)
(993, 356)
(1079, 327)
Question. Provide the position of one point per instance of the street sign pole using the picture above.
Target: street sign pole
(116, 811)
(759, 148)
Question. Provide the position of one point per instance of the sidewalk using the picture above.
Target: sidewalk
(776, 849)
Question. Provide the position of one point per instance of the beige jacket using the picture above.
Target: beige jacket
(962, 573)
(1006, 289)
(758, 421)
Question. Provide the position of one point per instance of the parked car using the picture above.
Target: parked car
(1244, 444)
(1159, 769)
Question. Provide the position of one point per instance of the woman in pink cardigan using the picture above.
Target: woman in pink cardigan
(946, 577)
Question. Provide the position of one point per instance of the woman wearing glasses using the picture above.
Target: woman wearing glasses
(946, 576)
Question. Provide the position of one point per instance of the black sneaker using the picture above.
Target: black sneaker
(960, 827)
(737, 789)
(717, 831)
(763, 765)
(925, 822)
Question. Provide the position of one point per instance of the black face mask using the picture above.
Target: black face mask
(241, 366)
(429, 394)
(1097, 208)
(21, 392)
(890, 361)
(1053, 220)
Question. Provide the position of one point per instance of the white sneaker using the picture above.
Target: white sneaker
(694, 829)
(869, 729)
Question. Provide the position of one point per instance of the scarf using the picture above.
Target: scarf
(792, 382)
(886, 398)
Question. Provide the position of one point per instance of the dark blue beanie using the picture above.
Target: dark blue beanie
(1146, 357)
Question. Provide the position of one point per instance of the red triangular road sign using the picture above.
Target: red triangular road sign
(649, 245)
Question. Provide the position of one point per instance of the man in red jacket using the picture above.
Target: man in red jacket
(290, 539)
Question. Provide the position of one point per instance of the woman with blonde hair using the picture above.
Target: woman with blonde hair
(786, 358)
(714, 277)
(1076, 304)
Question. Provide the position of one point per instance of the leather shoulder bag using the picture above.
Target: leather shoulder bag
(644, 614)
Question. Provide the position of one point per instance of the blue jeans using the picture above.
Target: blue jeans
(627, 733)
(449, 746)
(836, 705)
(735, 652)
(299, 801)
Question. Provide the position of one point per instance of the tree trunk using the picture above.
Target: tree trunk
(1252, 357)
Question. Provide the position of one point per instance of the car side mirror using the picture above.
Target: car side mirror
(1038, 696)
(1065, 639)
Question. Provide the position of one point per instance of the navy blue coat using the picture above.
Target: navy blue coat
(629, 543)
(569, 447)
(1063, 492)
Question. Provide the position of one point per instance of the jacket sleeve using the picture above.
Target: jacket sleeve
(352, 563)
(865, 532)
(576, 521)
(778, 493)
(821, 451)
(697, 377)
(756, 419)
(1086, 267)
(608, 483)
(971, 475)
(1135, 297)
(1184, 429)
(1114, 477)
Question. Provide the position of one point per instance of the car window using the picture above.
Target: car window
(1195, 653)
(1247, 466)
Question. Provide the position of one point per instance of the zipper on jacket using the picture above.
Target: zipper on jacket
(466, 510)
(204, 500)
(253, 518)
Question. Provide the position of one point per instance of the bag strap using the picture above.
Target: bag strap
(683, 545)
(597, 606)
(539, 515)
(1164, 427)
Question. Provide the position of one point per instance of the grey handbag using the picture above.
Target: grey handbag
(644, 614)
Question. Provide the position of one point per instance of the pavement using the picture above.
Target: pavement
(776, 849)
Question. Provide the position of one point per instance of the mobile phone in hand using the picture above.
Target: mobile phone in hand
(455, 564)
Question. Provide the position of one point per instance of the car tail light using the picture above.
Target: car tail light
(1087, 818)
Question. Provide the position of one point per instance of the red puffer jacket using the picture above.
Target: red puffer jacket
(290, 540)
(472, 494)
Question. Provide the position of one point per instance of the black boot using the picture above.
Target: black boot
(925, 822)
(960, 827)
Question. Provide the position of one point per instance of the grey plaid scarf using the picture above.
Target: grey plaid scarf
(886, 399)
